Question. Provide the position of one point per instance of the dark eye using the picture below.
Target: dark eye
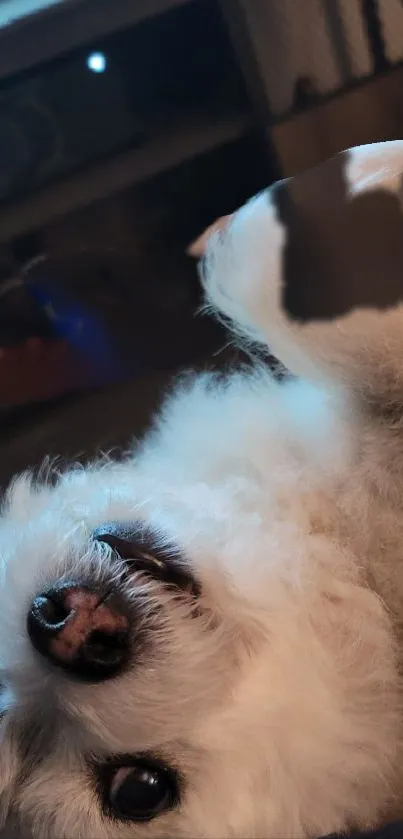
(140, 791)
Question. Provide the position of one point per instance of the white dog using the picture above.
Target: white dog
(206, 639)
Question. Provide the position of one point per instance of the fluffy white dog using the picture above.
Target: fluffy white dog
(206, 639)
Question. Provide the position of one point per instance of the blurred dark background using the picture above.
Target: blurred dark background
(125, 129)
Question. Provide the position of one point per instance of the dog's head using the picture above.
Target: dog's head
(168, 667)
(183, 652)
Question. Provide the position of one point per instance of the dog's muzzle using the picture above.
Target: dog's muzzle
(87, 629)
(81, 629)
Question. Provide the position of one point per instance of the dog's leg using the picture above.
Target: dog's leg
(313, 269)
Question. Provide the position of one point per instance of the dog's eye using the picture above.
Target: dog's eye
(141, 791)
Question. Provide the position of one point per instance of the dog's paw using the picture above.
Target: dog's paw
(198, 247)
(312, 267)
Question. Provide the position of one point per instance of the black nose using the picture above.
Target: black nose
(83, 630)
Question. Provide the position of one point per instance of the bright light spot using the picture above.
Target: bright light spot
(96, 62)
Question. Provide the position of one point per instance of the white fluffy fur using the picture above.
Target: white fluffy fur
(281, 702)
